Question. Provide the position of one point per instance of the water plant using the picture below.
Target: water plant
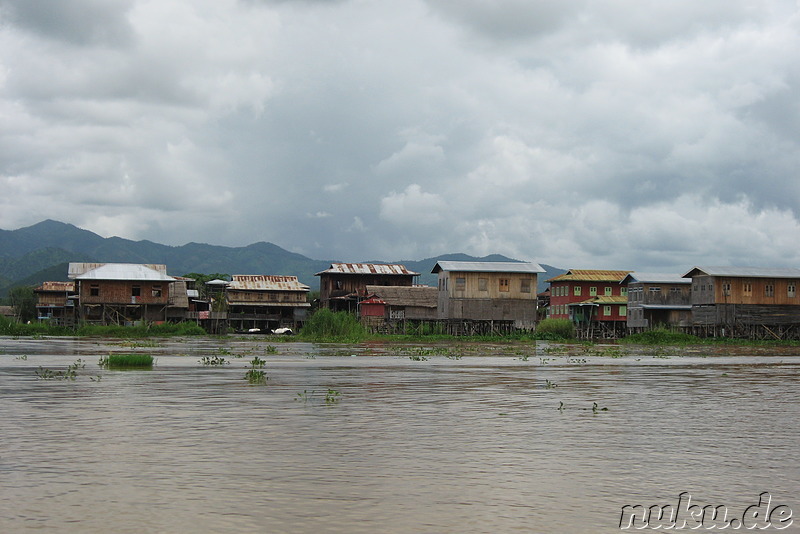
(418, 358)
(71, 373)
(550, 385)
(213, 360)
(332, 397)
(127, 361)
(255, 375)
(305, 396)
(596, 408)
(271, 349)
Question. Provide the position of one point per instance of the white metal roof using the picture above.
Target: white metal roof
(744, 272)
(77, 269)
(125, 271)
(655, 278)
(367, 268)
(488, 267)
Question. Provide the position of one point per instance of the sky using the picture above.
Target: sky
(618, 134)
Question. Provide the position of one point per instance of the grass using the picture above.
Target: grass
(9, 327)
(127, 361)
(555, 329)
(337, 327)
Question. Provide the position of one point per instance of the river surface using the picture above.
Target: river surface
(383, 438)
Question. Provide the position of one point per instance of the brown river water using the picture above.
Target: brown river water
(412, 438)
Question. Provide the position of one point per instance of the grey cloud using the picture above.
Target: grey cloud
(77, 22)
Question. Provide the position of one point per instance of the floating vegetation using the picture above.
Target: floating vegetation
(550, 385)
(332, 397)
(418, 358)
(271, 349)
(255, 375)
(213, 360)
(596, 408)
(71, 372)
(127, 361)
(23, 357)
(556, 349)
(576, 360)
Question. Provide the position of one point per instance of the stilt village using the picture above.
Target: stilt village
(471, 298)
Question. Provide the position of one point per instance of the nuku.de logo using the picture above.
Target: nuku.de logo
(692, 516)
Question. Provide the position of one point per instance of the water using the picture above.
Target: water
(475, 444)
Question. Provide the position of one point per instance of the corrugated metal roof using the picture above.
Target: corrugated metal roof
(488, 267)
(666, 306)
(601, 300)
(125, 271)
(264, 282)
(590, 275)
(57, 286)
(367, 268)
(422, 296)
(77, 269)
(744, 272)
(655, 278)
(269, 304)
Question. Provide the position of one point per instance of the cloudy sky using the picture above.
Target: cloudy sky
(631, 134)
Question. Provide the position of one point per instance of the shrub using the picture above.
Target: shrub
(555, 329)
(661, 336)
(325, 325)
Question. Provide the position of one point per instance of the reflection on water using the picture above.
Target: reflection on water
(461, 438)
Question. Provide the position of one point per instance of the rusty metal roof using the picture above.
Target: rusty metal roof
(421, 296)
(590, 275)
(744, 272)
(487, 267)
(78, 269)
(368, 268)
(125, 271)
(60, 287)
(264, 282)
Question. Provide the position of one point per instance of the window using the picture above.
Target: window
(623, 291)
(136, 291)
(504, 285)
(791, 290)
(623, 310)
(726, 289)
(157, 291)
(747, 289)
(607, 311)
(655, 289)
(483, 284)
(94, 290)
(525, 285)
(461, 284)
(576, 291)
(593, 291)
(607, 291)
(769, 290)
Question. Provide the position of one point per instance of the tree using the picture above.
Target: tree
(23, 300)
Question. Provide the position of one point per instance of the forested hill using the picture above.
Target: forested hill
(31, 255)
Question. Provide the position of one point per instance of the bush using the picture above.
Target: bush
(555, 329)
(9, 327)
(325, 325)
(165, 329)
(661, 336)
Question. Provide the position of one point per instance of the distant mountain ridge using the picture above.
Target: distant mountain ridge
(31, 255)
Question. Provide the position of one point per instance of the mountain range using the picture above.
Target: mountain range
(38, 253)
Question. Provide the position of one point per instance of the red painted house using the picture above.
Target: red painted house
(595, 299)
